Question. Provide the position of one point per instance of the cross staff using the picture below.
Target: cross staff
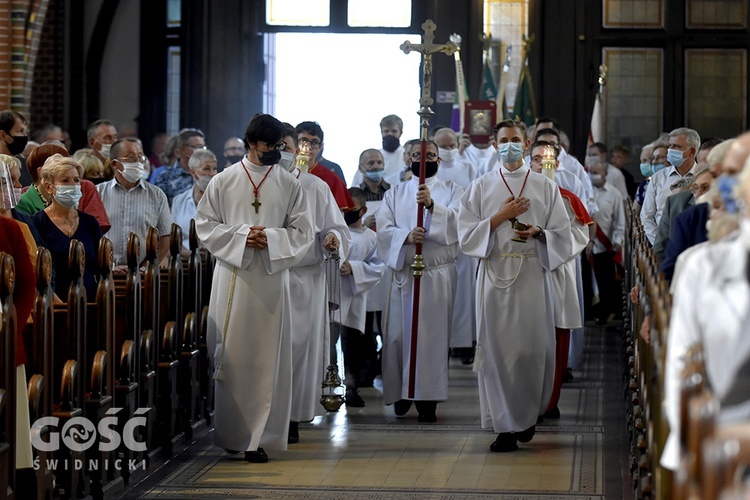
(426, 48)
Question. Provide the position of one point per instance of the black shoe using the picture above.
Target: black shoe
(232, 452)
(256, 457)
(505, 442)
(354, 400)
(568, 377)
(554, 413)
(426, 411)
(401, 406)
(539, 419)
(527, 435)
(293, 436)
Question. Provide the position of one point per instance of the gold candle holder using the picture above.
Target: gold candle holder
(549, 158)
(303, 158)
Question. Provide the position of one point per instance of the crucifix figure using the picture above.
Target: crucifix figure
(256, 204)
(426, 48)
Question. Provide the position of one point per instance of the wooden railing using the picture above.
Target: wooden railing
(132, 359)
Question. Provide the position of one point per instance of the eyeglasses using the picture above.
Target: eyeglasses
(315, 144)
(279, 146)
(132, 159)
(428, 156)
(199, 146)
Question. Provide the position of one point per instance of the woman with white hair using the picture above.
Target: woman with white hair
(60, 222)
(203, 168)
(711, 309)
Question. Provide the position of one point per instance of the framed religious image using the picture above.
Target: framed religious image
(479, 120)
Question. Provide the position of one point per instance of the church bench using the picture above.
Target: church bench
(7, 378)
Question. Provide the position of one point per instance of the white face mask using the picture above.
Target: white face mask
(203, 181)
(448, 155)
(132, 172)
(104, 151)
(287, 160)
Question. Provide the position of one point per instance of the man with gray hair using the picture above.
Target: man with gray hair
(203, 167)
(177, 178)
(683, 147)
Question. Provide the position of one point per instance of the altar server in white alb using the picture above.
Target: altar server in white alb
(254, 219)
(398, 235)
(515, 356)
(566, 279)
(360, 272)
(309, 301)
(453, 167)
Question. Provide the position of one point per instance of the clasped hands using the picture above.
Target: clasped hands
(257, 238)
(512, 208)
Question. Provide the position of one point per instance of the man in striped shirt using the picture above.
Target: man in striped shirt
(133, 204)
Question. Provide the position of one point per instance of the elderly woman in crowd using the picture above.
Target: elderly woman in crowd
(35, 199)
(60, 222)
(711, 310)
(203, 168)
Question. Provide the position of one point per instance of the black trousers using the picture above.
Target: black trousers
(610, 289)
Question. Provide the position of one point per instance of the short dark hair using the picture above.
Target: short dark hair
(391, 120)
(359, 195)
(509, 124)
(264, 128)
(91, 131)
(114, 150)
(620, 149)
(548, 131)
(189, 133)
(543, 119)
(545, 143)
(8, 119)
(428, 141)
(600, 146)
(289, 131)
(710, 143)
(312, 128)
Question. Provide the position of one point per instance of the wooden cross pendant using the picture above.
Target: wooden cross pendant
(256, 204)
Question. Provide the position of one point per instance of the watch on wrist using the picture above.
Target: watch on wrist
(540, 234)
(432, 204)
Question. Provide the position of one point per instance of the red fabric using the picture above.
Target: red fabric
(91, 203)
(338, 188)
(562, 344)
(578, 207)
(13, 243)
(617, 257)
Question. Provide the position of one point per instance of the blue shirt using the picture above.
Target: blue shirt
(183, 210)
(173, 181)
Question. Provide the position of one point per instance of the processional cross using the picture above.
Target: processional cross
(426, 48)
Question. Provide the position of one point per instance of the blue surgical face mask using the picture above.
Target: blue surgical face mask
(375, 175)
(510, 152)
(68, 195)
(658, 166)
(646, 170)
(727, 187)
(674, 157)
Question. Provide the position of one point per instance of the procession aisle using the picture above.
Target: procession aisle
(370, 453)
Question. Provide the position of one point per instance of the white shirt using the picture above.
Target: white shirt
(610, 217)
(616, 179)
(656, 197)
(479, 157)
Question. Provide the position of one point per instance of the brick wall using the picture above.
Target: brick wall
(48, 89)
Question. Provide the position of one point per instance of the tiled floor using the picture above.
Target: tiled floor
(370, 453)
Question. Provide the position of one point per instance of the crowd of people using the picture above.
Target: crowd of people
(521, 243)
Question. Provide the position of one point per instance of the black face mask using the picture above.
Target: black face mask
(352, 216)
(430, 168)
(18, 144)
(269, 157)
(390, 143)
(234, 159)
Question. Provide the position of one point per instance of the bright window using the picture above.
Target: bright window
(298, 12)
(385, 13)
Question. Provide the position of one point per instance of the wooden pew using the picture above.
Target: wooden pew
(190, 370)
(106, 480)
(8, 337)
(148, 349)
(40, 340)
